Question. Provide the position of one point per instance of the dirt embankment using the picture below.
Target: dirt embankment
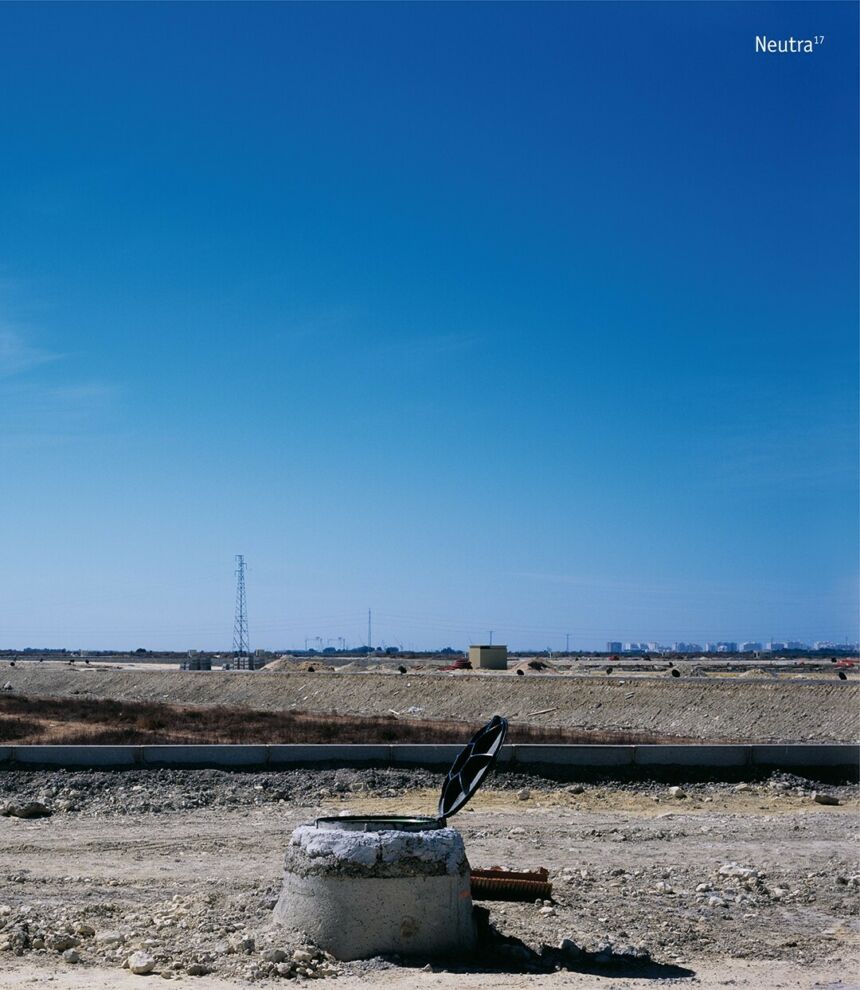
(755, 711)
(77, 720)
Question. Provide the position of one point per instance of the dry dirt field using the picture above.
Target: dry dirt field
(750, 885)
(771, 710)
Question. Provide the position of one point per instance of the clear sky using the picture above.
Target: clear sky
(533, 318)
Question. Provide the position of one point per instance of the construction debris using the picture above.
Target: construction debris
(535, 666)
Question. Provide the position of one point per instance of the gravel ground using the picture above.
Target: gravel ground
(653, 886)
(93, 793)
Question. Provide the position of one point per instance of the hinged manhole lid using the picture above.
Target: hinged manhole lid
(476, 760)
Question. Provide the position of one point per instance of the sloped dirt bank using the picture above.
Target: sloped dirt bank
(748, 710)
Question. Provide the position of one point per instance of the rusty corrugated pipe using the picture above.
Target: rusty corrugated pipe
(505, 885)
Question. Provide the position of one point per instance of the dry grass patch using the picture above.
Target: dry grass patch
(96, 721)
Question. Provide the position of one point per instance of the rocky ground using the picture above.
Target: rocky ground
(175, 873)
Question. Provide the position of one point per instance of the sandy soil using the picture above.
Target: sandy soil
(718, 709)
(740, 974)
(625, 865)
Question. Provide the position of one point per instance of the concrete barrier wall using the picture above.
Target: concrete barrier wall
(213, 756)
(698, 756)
(833, 756)
(539, 754)
(329, 755)
(441, 756)
(805, 756)
(75, 756)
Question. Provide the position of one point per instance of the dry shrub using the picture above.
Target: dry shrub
(18, 728)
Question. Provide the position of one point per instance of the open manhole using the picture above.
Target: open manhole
(365, 885)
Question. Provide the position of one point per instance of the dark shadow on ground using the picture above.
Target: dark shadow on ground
(498, 953)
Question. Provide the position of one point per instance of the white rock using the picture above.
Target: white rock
(71, 956)
(735, 871)
(109, 938)
(524, 794)
(677, 792)
(141, 963)
(570, 948)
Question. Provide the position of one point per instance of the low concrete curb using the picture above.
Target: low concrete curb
(805, 756)
(695, 756)
(212, 756)
(75, 756)
(546, 754)
(329, 755)
(840, 756)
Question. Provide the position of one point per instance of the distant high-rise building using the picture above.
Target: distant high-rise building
(750, 646)
(613, 647)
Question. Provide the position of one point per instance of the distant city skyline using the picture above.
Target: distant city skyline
(724, 646)
(533, 318)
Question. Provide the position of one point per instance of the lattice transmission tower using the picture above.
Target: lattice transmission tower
(242, 658)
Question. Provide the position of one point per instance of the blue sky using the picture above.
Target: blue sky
(533, 318)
